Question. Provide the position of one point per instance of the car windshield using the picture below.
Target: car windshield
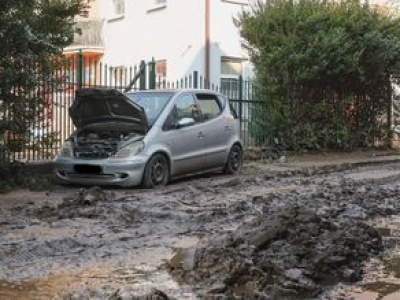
(152, 103)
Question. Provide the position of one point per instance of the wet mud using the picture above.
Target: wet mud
(274, 232)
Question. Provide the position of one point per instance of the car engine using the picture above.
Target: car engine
(97, 144)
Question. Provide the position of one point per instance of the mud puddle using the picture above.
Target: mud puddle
(140, 275)
(139, 281)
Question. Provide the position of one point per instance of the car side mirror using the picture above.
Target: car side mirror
(186, 122)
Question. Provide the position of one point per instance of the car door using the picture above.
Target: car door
(185, 142)
(215, 128)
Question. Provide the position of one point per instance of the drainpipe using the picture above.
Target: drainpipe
(207, 45)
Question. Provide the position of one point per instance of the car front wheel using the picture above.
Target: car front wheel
(235, 160)
(156, 173)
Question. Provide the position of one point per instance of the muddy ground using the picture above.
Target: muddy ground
(319, 228)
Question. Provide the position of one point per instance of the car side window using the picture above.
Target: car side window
(185, 107)
(209, 104)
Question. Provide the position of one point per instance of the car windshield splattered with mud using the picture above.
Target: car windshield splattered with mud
(148, 137)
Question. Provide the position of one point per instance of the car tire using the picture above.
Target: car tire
(156, 173)
(235, 160)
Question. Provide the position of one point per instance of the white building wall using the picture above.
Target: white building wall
(175, 33)
(225, 35)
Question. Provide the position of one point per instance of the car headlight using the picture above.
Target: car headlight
(130, 150)
(66, 150)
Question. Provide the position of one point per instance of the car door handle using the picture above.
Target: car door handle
(200, 135)
(227, 128)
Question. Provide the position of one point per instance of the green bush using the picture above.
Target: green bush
(324, 70)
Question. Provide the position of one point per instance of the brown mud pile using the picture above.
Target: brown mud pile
(297, 245)
(292, 254)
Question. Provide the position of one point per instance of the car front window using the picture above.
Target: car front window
(152, 103)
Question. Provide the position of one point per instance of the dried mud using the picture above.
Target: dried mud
(274, 232)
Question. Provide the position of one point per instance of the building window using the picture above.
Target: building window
(231, 69)
(118, 10)
(119, 7)
(157, 5)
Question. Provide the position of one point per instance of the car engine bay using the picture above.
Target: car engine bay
(99, 143)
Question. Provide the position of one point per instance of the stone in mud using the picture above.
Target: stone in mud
(294, 274)
(297, 279)
(241, 207)
(258, 199)
(231, 183)
(87, 197)
(351, 275)
(115, 296)
(91, 196)
(131, 215)
(269, 176)
(217, 288)
(183, 258)
(354, 211)
(266, 236)
(275, 292)
(155, 294)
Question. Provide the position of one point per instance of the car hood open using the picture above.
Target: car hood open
(104, 105)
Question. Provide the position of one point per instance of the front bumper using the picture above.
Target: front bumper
(127, 172)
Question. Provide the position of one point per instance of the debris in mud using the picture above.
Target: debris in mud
(183, 258)
(131, 215)
(231, 183)
(88, 197)
(93, 203)
(155, 294)
(292, 253)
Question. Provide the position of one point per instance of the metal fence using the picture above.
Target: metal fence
(51, 124)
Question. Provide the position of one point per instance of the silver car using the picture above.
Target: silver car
(148, 137)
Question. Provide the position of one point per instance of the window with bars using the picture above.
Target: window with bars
(231, 69)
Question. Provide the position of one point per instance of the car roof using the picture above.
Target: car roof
(176, 91)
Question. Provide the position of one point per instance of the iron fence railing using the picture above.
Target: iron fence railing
(51, 125)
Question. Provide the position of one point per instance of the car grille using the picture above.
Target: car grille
(95, 151)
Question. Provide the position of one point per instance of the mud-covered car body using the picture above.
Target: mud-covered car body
(147, 137)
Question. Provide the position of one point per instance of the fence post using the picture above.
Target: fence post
(195, 79)
(79, 74)
(390, 120)
(240, 98)
(152, 74)
(142, 78)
